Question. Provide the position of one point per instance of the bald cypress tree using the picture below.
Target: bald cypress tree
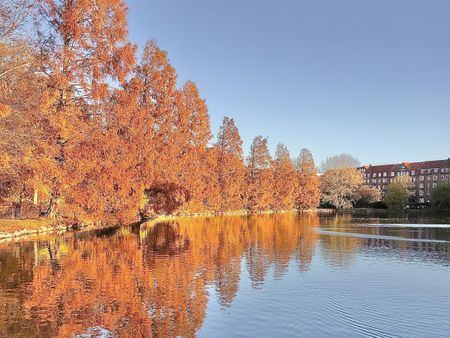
(230, 166)
(308, 188)
(284, 180)
(259, 182)
(83, 49)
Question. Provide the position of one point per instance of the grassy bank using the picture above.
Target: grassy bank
(12, 225)
(10, 228)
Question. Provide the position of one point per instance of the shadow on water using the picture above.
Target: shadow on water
(157, 280)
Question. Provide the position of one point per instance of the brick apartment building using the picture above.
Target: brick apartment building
(424, 175)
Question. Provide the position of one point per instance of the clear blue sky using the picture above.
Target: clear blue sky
(371, 78)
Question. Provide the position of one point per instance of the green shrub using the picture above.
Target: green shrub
(440, 197)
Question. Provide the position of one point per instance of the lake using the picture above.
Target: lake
(280, 275)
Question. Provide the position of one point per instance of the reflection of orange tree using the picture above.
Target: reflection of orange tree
(265, 241)
(104, 282)
(153, 282)
(16, 272)
(337, 249)
(307, 240)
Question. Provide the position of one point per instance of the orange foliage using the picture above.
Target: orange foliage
(20, 99)
(83, 48)
(230, 166)
(308, 192)
(91, 134)
(284, 176)
(259, 180)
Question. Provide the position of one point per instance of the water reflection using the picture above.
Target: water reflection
(411, 238)
(153, 280)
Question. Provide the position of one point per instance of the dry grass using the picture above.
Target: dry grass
(12, 225)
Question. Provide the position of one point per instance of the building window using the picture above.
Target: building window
(434, 185)
(446, 177)
(435, 177)
(436, 170)
(384, 174)
(421, 185)
(428, 178)
(421, 178)
(374, 175)
(413, 172)
(413, 179)
(422, 171)
(420, 192)
(442, 170)
(442, 177)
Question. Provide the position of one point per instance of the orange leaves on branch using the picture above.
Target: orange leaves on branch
(83, 47)
(4, 110)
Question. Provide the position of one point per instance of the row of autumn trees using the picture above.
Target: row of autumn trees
(90, 132)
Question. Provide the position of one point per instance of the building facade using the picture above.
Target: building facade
(425, 176)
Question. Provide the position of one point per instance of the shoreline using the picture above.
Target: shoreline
(47, 226)
(23, 228)
(42, 226)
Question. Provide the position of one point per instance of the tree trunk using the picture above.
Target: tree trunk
(16, 210)
(52, 209)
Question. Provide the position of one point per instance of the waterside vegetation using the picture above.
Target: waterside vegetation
(92, 133)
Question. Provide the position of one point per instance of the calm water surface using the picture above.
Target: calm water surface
(259, 276)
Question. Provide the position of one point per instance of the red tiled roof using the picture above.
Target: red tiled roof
(431, 164)
(415, 165)
(381, 168)
(409, 165)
